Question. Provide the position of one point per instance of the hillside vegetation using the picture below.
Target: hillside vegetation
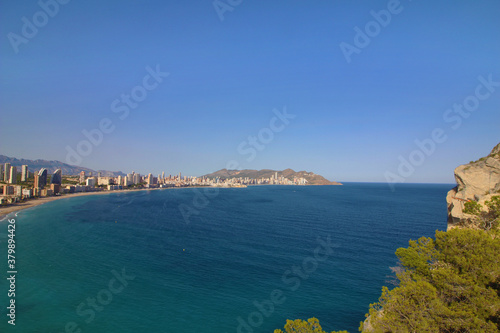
(447, 284)
(450, 283)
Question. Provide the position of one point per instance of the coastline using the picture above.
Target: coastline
(5, 211)
(17, 207)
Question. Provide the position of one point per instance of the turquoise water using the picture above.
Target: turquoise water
(244, 260)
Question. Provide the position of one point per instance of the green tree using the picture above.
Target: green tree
(418, 256)
(450, 284)
(447, 284)
(301, 326)
(482, 218)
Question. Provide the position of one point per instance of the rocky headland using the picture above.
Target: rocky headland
(477, 181)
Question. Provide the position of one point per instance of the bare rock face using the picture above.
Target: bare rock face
(477, 181)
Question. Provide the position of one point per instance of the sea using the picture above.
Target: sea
(211, 260)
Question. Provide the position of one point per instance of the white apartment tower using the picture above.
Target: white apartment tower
(6, 173)
(24, 173)
(13, 175)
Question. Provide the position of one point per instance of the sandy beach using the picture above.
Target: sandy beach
(4, 211)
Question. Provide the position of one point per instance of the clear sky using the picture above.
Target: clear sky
(360, 100)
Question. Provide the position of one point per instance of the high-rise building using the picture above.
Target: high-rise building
(56, 177)
(56, 188)
(91, 181)
(126, 181)
(24, 173)
(42, 181)
(82, 177)
(13, 175)
(105, 181)
(36, 183)
(8, 190)
(6, 172)
(1, 171)
(149, 180)
(137, 178)
(18, 190)
(163, 175)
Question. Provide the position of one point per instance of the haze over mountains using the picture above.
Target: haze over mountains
(312, 178)
(51, 166)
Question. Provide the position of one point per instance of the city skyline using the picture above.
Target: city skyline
(35, 185)
(39, 176)
(354, 92)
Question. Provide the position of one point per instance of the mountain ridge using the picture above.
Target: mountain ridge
(53, 165)
(311, 177)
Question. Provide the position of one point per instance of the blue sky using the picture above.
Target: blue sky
(354, 121)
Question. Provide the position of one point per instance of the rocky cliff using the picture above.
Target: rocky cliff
(477, 181)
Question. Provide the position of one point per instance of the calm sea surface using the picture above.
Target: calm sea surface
(194, 260)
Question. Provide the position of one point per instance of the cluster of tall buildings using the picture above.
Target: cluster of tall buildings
(161, 181)
(45, 186)
(8, 173)
(148, 181)
(12, 192)
(273, 180)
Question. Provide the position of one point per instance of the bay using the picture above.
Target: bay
(200, 260)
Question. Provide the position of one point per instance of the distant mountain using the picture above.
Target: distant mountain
(51, 166)
(312, 178)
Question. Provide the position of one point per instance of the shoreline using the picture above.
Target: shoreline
(17, 207)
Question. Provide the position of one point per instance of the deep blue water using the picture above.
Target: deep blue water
(238, 247)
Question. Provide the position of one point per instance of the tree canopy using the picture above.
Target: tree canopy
(301, 326)
(450, 284)
(447, 284)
